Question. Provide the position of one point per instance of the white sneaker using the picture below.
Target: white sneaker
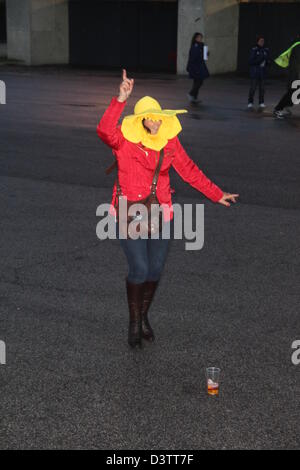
(279, 114)
(262, 105)
(190, 98)
(250, 105)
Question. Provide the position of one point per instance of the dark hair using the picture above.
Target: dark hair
(259, 36)
(194, 38)
(145, 127)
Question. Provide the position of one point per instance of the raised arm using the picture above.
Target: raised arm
(107, 128)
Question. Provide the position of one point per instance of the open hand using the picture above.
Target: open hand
(228, 197)
(126, 87)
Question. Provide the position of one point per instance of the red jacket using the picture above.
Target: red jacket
(136, 164)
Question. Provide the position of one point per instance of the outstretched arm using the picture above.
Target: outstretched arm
(107, 128)
(192, 174)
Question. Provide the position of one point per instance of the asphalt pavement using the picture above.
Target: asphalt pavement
(70, 379)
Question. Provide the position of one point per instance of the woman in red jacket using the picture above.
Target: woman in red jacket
(136, 145)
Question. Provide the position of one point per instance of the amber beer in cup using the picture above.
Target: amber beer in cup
(213, 379)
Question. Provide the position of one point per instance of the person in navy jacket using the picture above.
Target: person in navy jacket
(196, 66)
(259, 60)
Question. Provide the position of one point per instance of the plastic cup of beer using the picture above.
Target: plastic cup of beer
(213, 380)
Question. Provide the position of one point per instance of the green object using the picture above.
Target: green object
(284, 59)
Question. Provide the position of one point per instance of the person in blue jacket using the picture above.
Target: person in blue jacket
(259, 60)
(196, 66)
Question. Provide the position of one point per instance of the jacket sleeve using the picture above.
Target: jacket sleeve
(107, 128)
(190, 173)
(188, 62)
(252, 57)
(255, 59)
(196, 54)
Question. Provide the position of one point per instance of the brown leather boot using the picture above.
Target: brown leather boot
(134, 297)
(149, 290)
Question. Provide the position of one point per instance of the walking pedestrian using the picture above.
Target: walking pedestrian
(196, 66)
(289, 59)
(259, 60)
(137, 144)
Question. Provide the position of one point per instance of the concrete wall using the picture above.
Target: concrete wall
(191, 18)
(38, 31)
(221, 34)
(3, 50)
(218, 20)
(18, 30)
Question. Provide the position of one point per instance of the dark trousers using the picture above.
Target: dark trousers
(146, 258)
(286, 100)
(260, 83)
(197, 84)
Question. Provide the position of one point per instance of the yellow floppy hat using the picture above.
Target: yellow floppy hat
(148, 108)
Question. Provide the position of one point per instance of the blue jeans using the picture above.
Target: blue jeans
(146, 258)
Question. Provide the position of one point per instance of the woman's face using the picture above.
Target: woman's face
(199, 38)
(261, 42)
(152, 126)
